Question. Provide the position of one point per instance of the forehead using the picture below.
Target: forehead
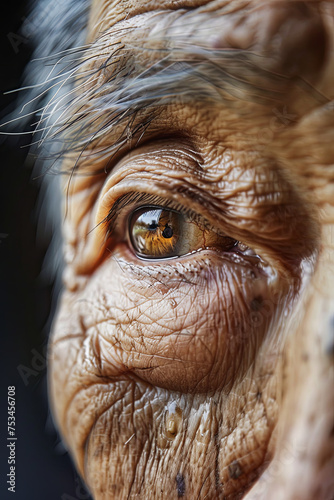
(109, 12)
(264, 18)
(283, 37)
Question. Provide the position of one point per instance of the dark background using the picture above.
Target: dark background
(43, 468)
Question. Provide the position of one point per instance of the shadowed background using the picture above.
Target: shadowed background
(43, 468)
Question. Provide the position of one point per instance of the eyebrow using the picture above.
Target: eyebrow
(114, 97)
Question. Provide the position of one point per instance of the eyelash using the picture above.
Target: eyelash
(123, 208)
(136, 200)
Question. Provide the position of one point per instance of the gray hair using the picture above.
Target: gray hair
(53, 29)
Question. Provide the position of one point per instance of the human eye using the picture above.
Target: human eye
(155, 228)
(157, 232)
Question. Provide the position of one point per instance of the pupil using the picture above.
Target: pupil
(153, 225)
(167, 232)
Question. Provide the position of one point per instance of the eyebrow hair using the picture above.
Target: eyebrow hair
(50, 27)
(114, 98)
(105, 96)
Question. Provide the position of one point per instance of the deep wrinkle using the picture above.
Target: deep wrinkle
(185, 278)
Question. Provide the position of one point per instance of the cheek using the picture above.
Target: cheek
(193, 326)
(189, 327)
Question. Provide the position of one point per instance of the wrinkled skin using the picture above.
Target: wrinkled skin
(209, 375)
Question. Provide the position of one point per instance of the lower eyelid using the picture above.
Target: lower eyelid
(195, 264)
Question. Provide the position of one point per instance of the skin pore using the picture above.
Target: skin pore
(196, 375)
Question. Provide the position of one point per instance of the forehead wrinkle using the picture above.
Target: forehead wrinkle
(107, 13)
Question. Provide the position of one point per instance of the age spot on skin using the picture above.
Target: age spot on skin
(256, 303)
(181, 486)
(235, 470)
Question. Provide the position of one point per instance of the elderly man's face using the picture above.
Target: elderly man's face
(191, 353)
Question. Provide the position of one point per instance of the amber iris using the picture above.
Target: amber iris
(161, 233)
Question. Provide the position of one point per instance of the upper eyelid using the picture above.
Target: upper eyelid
(138, 200)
